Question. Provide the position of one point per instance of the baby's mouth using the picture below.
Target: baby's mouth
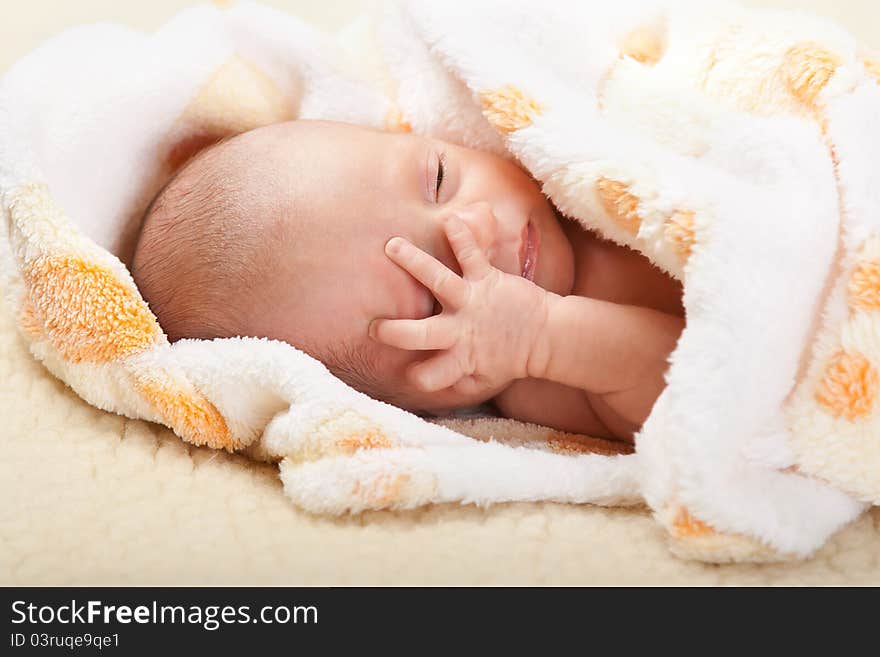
(528, 251)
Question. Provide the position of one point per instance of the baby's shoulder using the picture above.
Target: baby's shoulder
(611, 272)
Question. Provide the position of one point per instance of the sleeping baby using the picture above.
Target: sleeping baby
(425, 274)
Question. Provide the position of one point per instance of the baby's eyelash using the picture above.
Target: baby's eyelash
(440, 173)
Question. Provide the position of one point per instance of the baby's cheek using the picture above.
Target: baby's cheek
(398, 370)
(398, 384)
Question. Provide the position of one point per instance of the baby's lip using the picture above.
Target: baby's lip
(528, 251)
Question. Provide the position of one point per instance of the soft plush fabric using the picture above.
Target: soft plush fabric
(90, 497)
(723, 457)
(80, 160)
(736, 149)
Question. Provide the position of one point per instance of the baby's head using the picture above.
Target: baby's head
(280, 233)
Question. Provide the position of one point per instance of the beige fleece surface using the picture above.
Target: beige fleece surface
(93, 498)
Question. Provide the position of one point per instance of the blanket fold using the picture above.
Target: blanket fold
(732, 147)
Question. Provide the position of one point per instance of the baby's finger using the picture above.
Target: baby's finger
(470, 256)
(445, 284)
(413, 333)
(436, 373)
(469, 385)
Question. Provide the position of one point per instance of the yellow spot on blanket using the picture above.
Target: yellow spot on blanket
(645, 44)
(864, 286)
(872, 65)
(394, 121)
(509, 108)
(367, 440)
(193, 418)
(849, 386)
(619, 203)
(679, 231)
(87, 313)
(238, 97)
(380, 491)
(685, 525)
(807, 68)
(28, 321)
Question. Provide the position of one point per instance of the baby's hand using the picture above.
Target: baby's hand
(488, 326)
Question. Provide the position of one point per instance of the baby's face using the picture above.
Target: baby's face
(356, 188)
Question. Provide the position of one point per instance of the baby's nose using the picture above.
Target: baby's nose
(481, 220)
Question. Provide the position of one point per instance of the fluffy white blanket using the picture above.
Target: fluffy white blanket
(730, 146)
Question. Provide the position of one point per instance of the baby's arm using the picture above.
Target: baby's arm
(616, 352)
(554, 405)
(496, 328)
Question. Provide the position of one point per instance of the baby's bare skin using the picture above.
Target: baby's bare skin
(603, 347)
(603, 270)
(284, 237)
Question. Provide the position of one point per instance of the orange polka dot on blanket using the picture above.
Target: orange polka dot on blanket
(87, 314)
(193, 417)
(380, 491)
(395, 121)
(807, 69)
(619, 203)
(28, 321)
(872, 65)
(679, 231)
(645, 44)
(374, 439)
(864, 286)
(849, 386)
(685, 525)
(509, 108)
(239, 96)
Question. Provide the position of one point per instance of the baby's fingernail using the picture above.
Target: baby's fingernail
(371, 329)
(393, 245)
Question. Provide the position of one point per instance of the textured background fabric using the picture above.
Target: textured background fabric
(91, 497)
(27, 24)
